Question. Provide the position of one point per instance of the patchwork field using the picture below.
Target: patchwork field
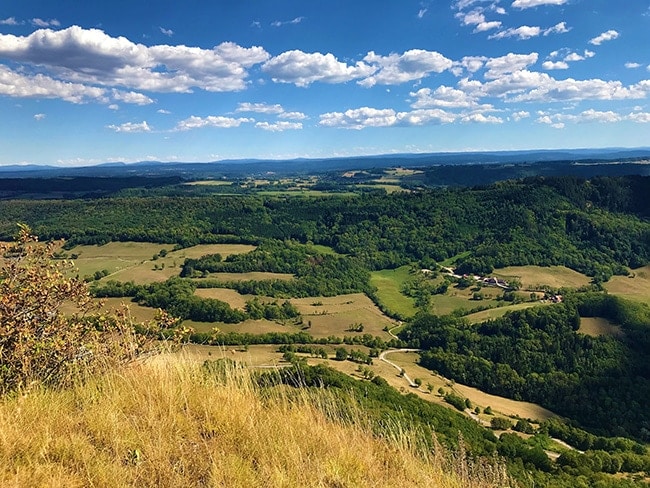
(636, 286)
(532, 277)
(134, 261)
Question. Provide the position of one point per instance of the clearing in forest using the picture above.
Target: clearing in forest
(636, 286)
(250, 276)
(389, 284)
(598, 326)
(494, 313)
(533, 277)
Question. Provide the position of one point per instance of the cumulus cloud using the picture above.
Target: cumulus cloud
(522, 114)
(39, 117)
(631, 65)
(510, 63)
(522, 33)
(261, 108)
(549, 65)
(412, 65)
(292, 115)
(480, 118)
(279, 126)
(218, 121)
(91, 56)
(114, 106)
(443, 96)
(522, 4)
(365, 117)
(131, 127)
(610, 35)
(639, 117)
(131, 97)
(470, 64)
(40, 86)
(163, 111)
(167, 32)
(303, 69)
(559, 28)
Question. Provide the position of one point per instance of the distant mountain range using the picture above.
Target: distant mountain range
(249, 167)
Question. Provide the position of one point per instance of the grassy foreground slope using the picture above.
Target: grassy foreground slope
(165, 424)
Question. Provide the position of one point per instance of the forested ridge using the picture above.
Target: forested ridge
(594, 226)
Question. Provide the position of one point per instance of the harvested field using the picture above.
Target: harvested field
(232, 297)
(494, 313)
(252, 276)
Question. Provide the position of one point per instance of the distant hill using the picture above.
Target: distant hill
(251, 167)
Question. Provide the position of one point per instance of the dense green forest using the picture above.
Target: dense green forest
(593, 226)
(537, 355)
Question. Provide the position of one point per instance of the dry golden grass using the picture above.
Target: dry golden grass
(232, 297)
(253, 275)
(164, 424)
(493, 313)
(553, 276)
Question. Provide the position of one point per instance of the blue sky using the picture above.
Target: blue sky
(131, 80)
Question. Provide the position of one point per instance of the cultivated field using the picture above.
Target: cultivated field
(533, 277)
(494, 313)
(232, 297)
(636, 286)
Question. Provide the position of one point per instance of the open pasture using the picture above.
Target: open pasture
(335, 315)
(235, 299)
(389, 283)
(636, 286)
(533, 277)
(261, 326)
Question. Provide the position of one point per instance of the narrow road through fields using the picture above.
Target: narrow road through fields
(382, 357)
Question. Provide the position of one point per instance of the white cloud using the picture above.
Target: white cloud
(365, 117)
(131, 127)
(631, 65)
(280, 23)
(279, 126)
(481, 119)
(524, 32)
(292, 115)
(114, 106)
(522, 114)
(572, 57)
(639, 117)
(45, 23)
(195, 122)
(163, 111)
(605, 36)
(469, 63)
(422, 12)
(485, 26)
(560, 28)
(131, 97)
(549, 65)
(522, 4)
(40, 86)
(510, 63)
(167, 32)
(412, 65)
(10, 21)
(443, 96)
(302, 68)
(261, 108)
(39, 117)
(360, 118)
(92, 57)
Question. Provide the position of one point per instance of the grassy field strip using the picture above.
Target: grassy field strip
(534, 276)
(388, 283)
(253, 275)
(494, 313)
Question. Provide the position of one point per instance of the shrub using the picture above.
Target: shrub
(38, 342)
